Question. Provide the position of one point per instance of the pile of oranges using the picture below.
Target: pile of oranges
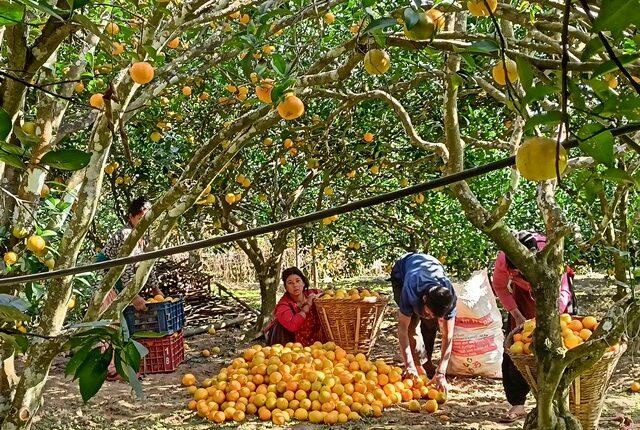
(353, 294)
(159, 298)
(575, 331)
(320, 384)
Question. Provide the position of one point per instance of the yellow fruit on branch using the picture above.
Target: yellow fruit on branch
(174, 43)
(97, 101)
(44, 192)
(36, 244)
(423, 29)
(479, 8)
(328, 191)
(329, 18)
(536, 159)
(377, 62)
(10, 258)
(118, 48)
(437, 17)
(79, 87)
(498, 72)
(19, 232)
(112, 29)
(291, 108)
(156, 136)
(264, 91)
(141, 72)
(230, 198)
(186, 91)
(244, 19)
(368, 137)
(50, 263)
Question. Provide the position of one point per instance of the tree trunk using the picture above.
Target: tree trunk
(268, 278)
(621, 262)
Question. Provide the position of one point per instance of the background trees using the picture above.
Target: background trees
(215, 158)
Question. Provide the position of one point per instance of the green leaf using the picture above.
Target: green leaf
(525, 72)
(616, 15)
(380, 38)
(77, 4)
(380, 24)
(76, 360)
(66, 159)
(12, 160)
(12, 308)
(5, 123)
(456, 80)
(12, 149)
(91, 378)
(547, 118)
(43, 6)
(89, 361)
(618, 175)
(539, 92)
(134, 382)
(133, 356)
(368, 3)
(481, 47)
(279, 64)
(411, 17)
(279, 89)
(591, 48)
(10, 14)
(597, 142)
(610, 66)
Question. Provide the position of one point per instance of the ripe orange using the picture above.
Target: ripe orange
(437, 17)
(174, 43)
(414, 406)
(589, 322)
(422, 30)
(264, 91)
(498, 72)
(536, 159)
(291, 108)
(186, 91)
(575, 325)
(635, 387)
(97, 101)
(377, 62)
(479, 9)
(431, 406)
(141, 72)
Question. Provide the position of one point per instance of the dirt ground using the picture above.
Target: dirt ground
(474, 403)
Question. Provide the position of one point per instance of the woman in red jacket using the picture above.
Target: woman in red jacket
(296, 311)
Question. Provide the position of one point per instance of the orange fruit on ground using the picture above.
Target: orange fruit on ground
(192, 405)
(589, 322)
(414, 406)
(431, 406)
(186, 91)
(291, 108)
(479, 9)
(635, 387)
(264, 414)
(206, 353)
(141, 72)
(174, 43)
(316, 417)
(188, 379)
(238, 416)
(219, 417)
(432, 394)
(536, 159)
(97, 101)
(200, 394)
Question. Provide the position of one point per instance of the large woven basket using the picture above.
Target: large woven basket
(587, 391)
(352, 324)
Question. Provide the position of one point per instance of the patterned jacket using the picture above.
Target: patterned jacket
(112, 251)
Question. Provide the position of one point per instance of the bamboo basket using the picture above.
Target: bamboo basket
(352, 324)
(587, 391)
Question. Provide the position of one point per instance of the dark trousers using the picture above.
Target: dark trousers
(423, 342)
(515, 386)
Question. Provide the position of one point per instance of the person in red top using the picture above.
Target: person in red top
(514, 292)
(296, 311)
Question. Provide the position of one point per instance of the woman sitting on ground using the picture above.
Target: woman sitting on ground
(296, 311)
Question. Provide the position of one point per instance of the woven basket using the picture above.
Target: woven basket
(587, 391)
(352, 324)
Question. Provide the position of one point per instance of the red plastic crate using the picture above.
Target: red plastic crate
(165, 353)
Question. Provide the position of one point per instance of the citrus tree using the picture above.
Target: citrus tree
(195, 89)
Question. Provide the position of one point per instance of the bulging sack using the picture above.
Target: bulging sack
(477, 338)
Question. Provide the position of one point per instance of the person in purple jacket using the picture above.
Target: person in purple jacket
(424, 295)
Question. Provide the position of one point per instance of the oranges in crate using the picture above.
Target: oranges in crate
(574, 330)
(352, 294)
(320, 384)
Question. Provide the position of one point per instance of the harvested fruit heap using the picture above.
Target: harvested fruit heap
(159, 298)
(575, 331)
(320, 384)
(353, 294)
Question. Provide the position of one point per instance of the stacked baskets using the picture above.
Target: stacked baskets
(353, 324)
(159, 329)
(587, 391)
